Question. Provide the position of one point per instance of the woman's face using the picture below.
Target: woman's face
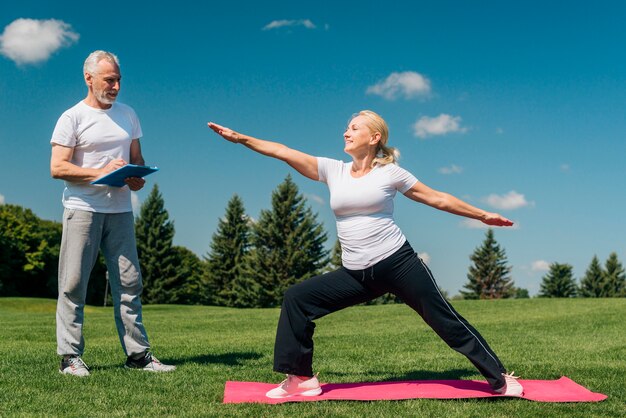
(358, 136)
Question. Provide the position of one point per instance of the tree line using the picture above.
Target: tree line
(598, 281)
(250, 263)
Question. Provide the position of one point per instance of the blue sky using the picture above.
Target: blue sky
(516, 107)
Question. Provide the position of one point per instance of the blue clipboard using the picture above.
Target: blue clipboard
(116, 178)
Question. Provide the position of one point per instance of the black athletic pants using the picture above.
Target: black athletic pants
(402, 274)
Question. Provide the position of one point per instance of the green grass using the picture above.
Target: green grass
(583, 339)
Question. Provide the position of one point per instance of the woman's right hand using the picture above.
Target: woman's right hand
(303, 163)
(226, 133)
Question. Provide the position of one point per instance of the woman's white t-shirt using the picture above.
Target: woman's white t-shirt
(363, 209)
(97, 137)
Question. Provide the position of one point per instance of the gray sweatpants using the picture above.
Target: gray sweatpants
(84, 234)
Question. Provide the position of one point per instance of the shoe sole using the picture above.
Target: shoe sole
(148, 370)
(73, 374)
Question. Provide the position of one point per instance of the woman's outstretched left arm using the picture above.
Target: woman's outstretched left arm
(444, 201)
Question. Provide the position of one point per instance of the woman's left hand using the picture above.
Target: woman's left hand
(495, 219)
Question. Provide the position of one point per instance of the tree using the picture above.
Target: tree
(193, 289)
(489, 275)
(22, 250)
(155, 236)
(225, 261)
(558, 282)
(29, 253)
(614, 279)
(288, 245)
(592, 284)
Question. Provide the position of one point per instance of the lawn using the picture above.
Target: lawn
(583, 339)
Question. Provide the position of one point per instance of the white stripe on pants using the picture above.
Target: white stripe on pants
(84, 234)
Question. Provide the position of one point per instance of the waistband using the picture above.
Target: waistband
(388, 263)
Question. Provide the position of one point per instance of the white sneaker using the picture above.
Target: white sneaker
(74, 365)
(511, 386)
(148, 363)
(293, 385)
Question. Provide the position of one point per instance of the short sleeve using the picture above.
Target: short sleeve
(402, 179)
(137, 133)
(64, 132)
(328, 169)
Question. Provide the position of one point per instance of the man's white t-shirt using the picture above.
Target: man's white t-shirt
(363, 209)
(97, 136)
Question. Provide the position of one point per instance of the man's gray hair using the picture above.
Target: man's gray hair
(91, 63)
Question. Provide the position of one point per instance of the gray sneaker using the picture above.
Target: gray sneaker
(74, 365)
(148, 363)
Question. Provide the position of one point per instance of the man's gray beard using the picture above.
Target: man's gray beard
(102, 98)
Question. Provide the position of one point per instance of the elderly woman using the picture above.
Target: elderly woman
(376, 257)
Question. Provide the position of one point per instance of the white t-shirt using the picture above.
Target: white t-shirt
(363, 208)
(97, 136)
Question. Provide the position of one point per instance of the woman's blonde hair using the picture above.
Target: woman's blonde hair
(376, 124)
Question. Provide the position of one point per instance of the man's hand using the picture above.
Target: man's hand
(135, 183)
(113, 165)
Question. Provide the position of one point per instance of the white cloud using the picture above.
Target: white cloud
(425, 257)
(499, 131)
(29, 41)
(511, 200)
(475, 224)
(135, 202)
(1, 200)
(452, 169)
(439, 125)
(540, 265)
(564, 168)
(276, 24)
(315, 198)
(408, 84)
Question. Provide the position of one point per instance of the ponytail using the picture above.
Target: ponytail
(376, 124)
(386, 155)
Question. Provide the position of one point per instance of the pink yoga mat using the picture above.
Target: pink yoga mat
(561, 390)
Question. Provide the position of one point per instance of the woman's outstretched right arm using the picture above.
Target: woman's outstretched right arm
(304, 164)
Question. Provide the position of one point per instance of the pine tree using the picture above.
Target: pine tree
(489, 275)
(155, 236)
(229, 246)
(614, 279)
(288, 245)
(558, 282)
(592, 284)
(193, 289)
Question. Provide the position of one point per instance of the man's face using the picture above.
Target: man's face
(105, 82)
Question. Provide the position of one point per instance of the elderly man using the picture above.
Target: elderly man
(95, 137)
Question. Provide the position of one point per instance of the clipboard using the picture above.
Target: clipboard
(116, 178)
